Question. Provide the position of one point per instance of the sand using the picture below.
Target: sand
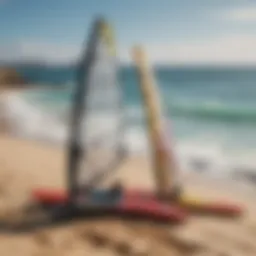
(26, 164)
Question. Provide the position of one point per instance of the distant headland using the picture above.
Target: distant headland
(10, 78)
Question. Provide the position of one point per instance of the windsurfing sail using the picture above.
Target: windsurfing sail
(164, 166)
(97, 125)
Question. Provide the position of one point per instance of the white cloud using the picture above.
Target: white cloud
(48, 52)
(241, 14)
(228, 49)
(38, 51)
(232, 49)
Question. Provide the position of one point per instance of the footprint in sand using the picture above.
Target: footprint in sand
(250, 227)
(223, 243)
(122, 240)
(5, 183)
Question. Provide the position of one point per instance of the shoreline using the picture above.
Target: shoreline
(57, 137)
(190, 179)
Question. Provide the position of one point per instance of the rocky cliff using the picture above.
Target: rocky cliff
(10, 78)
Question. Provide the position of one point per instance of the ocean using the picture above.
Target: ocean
(212, 112)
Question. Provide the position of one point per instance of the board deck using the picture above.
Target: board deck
(125, 204)
(146, 201)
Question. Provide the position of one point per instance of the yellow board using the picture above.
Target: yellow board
(163, 169)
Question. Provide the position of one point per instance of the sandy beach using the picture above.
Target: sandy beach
(25, 165)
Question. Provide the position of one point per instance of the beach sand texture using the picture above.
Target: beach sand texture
(25, 165)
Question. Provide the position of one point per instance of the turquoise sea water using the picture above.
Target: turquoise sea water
(212, 110)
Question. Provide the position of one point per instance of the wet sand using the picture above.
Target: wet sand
(25, 165)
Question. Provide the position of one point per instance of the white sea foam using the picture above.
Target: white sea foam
(26, 120)
(30, 121)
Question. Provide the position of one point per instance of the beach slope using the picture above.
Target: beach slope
(27, 164)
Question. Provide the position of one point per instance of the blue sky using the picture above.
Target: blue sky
(173, 31)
